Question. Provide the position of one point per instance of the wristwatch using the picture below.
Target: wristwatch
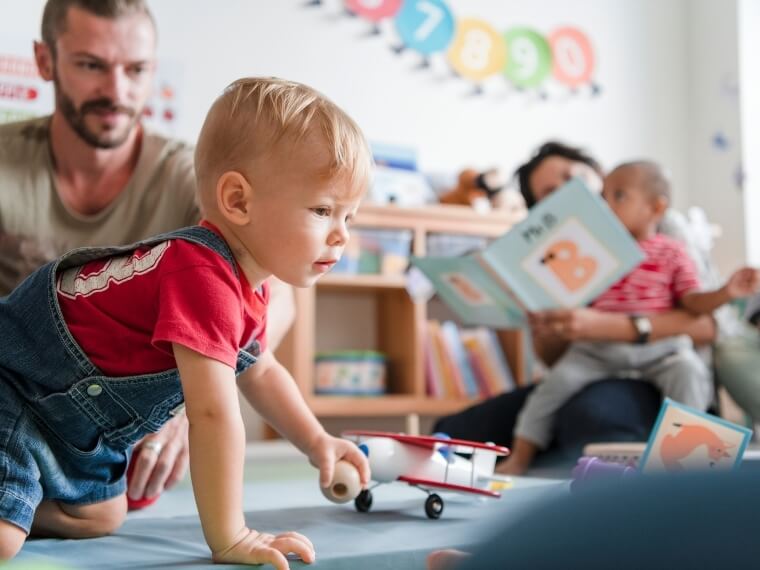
(643, 328)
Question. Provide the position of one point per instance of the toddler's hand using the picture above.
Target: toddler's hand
(327, 450)
(743, 283)
(263, 548)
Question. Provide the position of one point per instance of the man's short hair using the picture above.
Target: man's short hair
(55, 12)
(255, 116)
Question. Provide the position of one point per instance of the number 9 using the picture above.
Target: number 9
(528, 57)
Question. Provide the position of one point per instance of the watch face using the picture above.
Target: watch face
(643, 328)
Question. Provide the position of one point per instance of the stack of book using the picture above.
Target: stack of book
(464, 363)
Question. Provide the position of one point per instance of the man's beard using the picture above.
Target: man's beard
(76, 118)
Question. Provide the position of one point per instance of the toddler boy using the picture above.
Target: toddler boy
(104, 345)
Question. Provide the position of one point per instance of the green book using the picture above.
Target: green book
(569, 250)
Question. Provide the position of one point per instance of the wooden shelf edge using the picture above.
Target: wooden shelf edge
(377, 214)
(385, 406)
(362, 281)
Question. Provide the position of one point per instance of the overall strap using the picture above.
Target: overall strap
(196, 234)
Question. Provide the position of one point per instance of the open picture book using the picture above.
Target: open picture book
(569, 250)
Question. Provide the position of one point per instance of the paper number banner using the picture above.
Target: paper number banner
(476, 51)
(425, 26)
(374, 10)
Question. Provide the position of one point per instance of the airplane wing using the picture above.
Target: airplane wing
(496, 482)
(431, 442)
(425, 483)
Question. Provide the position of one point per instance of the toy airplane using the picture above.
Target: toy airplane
(429, 463)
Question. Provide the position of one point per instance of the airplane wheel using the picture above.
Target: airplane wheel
(434, 506)
(363, 501)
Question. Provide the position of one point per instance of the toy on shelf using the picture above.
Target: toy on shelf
(476, 189)
(429, 463)
(345, 485)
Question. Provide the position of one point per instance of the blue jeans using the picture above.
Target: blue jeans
(66, 429)
(609, 410)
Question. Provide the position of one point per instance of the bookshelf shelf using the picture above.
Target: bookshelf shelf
(395, 324)
(339, 281)
(401, 405)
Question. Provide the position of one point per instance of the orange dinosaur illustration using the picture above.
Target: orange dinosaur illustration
(571, 268)
(676, 447)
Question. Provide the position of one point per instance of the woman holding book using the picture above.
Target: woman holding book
(610, 410)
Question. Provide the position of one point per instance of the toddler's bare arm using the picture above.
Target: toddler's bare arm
(742, 283)
(217, 451)
(270, 388)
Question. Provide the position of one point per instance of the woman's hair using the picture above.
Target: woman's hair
(259, 115)
(546, 150)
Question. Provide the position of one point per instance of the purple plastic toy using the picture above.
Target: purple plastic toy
(592, 468)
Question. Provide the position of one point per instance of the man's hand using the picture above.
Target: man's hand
(160, 460)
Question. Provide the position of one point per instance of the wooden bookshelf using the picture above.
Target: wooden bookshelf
(399, 323)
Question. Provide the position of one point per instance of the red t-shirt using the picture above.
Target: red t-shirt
(657, 284)
(126, 311)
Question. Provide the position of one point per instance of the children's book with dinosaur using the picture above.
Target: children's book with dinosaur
(569, 249)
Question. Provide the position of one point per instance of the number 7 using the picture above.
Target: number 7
(434, 16)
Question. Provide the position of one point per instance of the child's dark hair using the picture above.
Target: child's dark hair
(654, 180)
(546, 150)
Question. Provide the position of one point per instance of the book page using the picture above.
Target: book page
(569, 249)
(469, 290)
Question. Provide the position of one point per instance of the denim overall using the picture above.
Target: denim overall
(66, 429)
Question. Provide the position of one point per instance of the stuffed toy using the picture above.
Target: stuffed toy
(476, 189)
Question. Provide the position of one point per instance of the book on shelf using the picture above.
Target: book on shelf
(569, 249)
(460, 359)
(464, 363)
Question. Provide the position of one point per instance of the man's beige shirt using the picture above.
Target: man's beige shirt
(35, 225)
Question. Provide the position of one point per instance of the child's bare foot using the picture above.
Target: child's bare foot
(523, 452)
(445, 559)
(511, 466)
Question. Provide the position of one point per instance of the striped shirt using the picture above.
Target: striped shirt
(657, 284)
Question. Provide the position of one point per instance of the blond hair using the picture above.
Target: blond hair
(257, 115)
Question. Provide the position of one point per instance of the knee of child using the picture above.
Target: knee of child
(12, 538)
(108, 519)
(689, 366)
(99, 519)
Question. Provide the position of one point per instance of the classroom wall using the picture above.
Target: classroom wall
(640, 112)
(749, 47)
(668, 72)
(714, 124)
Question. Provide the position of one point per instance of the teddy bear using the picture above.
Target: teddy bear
(476, 189)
